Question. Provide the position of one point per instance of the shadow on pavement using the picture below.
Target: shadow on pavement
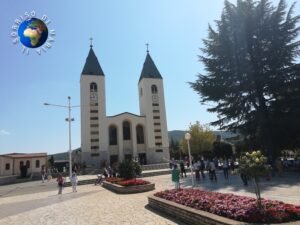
(20, 207)
(291, 179)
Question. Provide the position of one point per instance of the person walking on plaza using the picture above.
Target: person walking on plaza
(43, 173)
(244, 179)
(60, 183)
(225, 169)
(74, 181)
(182, 169)
(212, 171)
(196, 168)
(202, 168)
(175, 176)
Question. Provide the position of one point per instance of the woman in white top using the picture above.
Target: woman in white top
(74, 181)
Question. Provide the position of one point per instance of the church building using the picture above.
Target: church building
(123, 136)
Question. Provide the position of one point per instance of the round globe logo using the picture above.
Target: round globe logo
(33, 33)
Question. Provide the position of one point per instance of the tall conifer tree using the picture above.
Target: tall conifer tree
(253, 72)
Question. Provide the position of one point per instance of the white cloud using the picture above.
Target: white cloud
(4, 132)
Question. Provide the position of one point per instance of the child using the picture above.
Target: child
(175, 176)
(74, 181)
(60, 182)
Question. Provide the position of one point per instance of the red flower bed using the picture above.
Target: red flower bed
(122, 182)
(235, 207)
(113, 180)
(133, 182)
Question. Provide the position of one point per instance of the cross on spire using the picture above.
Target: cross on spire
(91, 40)
(147, 47)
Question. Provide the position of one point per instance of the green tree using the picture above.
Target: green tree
(254, 165)
(129, 169)
(202, 139)
(174, 149)
(252, 73)
(222, 150)
(51, 161)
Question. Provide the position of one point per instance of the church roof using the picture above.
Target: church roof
(124, 113)
(149, 69)
(92, 66)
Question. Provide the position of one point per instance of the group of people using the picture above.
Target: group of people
(199, 167)
(60, 182)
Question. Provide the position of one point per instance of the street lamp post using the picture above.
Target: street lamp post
(69, 120)
(188, 137)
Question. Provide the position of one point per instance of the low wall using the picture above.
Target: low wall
(192, 216)
(8, 179)
(129, 189)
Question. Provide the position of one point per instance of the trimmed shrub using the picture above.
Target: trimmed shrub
(129, 169)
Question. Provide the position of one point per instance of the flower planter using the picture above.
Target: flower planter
(192, 216)
(128, 189)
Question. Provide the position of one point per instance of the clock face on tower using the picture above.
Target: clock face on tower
(155, 98)
(93, 96)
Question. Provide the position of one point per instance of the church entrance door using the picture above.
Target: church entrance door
(143, 158)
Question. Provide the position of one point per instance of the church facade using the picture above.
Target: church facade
(110, 139)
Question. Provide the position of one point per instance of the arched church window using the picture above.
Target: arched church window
(126, 130)
(21, 164)
(28, 164)
(113, 135)
(154, 89)
(93, 87)
(140, 134)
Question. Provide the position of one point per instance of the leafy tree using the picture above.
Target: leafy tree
(174, 149)
(51, 161)
(201, 142)
(254, 166)
(252, 73)
(222, 150)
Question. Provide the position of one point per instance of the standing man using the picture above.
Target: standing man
(212, 169)
(225, 169)
(182, 169)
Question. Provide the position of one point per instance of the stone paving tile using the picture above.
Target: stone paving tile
(35, 203)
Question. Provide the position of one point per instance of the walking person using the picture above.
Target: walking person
(175, 176)
(60, 183)
(212, 169)
(202, 168)
(182, 169)
(74, 181)
(225, 169)
(49, 176)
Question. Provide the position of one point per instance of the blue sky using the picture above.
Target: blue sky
(173, 28)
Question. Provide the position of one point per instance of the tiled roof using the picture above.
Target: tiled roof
(25, 155)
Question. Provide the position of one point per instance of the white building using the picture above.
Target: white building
(10, 163)
(124, 136)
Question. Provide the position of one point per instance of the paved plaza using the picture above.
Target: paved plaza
(38, 203)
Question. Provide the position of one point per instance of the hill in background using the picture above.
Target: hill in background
(178, 134)
(175, 134)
